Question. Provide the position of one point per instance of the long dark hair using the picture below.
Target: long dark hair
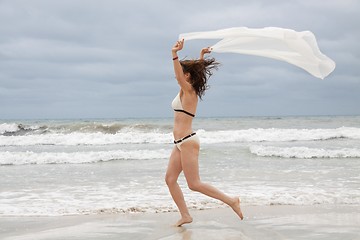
(200, 71)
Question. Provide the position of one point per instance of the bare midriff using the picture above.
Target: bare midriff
(182, 125)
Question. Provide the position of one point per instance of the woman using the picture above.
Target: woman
(192, 77)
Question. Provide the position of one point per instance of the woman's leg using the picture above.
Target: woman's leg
(190, 166)
(173, 171)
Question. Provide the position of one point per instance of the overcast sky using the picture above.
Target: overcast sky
(112, 58)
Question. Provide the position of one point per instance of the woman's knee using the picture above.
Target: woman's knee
(195, 186)
(169, 179)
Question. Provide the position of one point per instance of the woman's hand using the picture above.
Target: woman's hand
(178, 46)
(204, 51)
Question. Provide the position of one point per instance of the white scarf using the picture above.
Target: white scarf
(297, 48)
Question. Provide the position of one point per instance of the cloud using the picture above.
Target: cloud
(64, 59)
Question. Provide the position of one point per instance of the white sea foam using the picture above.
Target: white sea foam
(304, 152)
(279, 135)
(98, 199)
(134, 136)
(8, 127)
(29, 157)
(75, 138)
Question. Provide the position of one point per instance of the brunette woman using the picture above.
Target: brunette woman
(192, 76)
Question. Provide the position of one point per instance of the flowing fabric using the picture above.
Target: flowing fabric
(297, 48)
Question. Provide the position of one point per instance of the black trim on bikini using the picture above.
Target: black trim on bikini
(180, 110)
(184, 138)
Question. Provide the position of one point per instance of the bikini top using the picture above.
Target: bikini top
(177, 106)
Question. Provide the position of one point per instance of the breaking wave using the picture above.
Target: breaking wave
(140, 134)
(29, 157)
(304, 152)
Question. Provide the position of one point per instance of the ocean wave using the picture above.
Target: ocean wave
(29, 157)
(304, 152)
(279, 135)
(107, 200)
(9, 129)
(74, 139)
(16, 129)
(132, 135)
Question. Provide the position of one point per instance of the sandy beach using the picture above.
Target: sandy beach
(261, 222)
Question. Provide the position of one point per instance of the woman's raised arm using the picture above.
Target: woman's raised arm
(203, 51)
(179, 73)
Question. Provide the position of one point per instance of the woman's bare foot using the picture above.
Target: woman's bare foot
(236, 207)
(184, 219)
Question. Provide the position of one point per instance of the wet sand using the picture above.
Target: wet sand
(260, 222)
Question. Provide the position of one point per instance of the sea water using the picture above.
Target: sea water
(67, 167)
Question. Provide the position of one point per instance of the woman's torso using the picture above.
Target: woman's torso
(183, 121)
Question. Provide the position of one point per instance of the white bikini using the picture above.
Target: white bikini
(177, 106)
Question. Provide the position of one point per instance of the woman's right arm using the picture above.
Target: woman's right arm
(179, 73)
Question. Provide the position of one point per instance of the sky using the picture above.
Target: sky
(112, 58)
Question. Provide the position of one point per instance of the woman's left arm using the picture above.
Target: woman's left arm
(203, 51)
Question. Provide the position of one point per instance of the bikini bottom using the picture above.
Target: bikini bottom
(190, 137)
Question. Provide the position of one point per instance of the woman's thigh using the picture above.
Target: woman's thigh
(174, 166)
(190, 160)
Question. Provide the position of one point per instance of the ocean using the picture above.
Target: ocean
(97, 166)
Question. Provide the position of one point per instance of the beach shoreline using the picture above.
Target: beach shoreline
(260, 222)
